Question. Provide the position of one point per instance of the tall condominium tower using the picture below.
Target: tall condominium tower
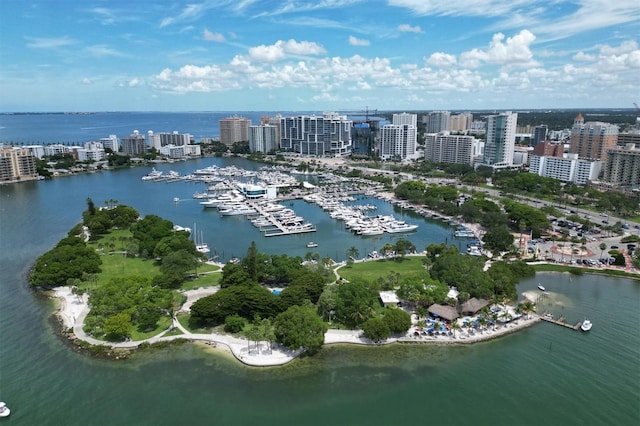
(446, 148)
(439, 121)
(592, 139)
(398, 140)
(263, 138)
(314, 135)
(17, 164)
(623, 166)
(500, 140)
(461, 122)
(234, 129)
(134, 144)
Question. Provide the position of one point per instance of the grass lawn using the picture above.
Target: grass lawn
(407, 267)
(163, 323)
(183, 319)
(205, 280)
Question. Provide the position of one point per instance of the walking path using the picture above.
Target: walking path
(74, 309)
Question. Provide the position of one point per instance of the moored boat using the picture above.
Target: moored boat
(4, 410)
(541, 287)
(311, 244)
(586, 325)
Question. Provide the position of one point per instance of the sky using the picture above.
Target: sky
(318, 55)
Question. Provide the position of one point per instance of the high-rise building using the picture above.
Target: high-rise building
(17, 164)
(500, 131)
(263, 138)
(439, 121)
(398, 140)
(314, 135)
(446, 148)
(111, 143)
(592, 139)
(461, 122)
(549, 149)
(234, 129)
(623, 166)
(134, 144)
(539, 134)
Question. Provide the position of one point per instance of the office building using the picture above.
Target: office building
(539, 134)
(500, 131)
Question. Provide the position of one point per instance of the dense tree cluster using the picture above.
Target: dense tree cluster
(125, 303)
(69, 259)
(101, 221)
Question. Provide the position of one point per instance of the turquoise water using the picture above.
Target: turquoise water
(543, 375)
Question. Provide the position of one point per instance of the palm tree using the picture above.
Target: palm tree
(603, 247)
(455, 327)
(353, 252)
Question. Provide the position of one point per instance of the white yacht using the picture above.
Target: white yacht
(395, 227)
(4, 410)
(152, 175)
(236, 211)
(311, 244)
(586, 325)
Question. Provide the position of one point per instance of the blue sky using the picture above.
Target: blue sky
(297, 55)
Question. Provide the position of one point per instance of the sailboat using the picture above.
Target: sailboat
(201, 246)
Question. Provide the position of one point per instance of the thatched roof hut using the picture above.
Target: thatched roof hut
(473, 305)
(443, 311)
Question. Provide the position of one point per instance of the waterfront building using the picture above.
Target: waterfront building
(134, 144)
(112, 143)
(622, 168)
(399, 139)
(438, 121)
(461, 122)
(539, 134)
(315, 135)
(17, 164)
(592, 139)
(499, 145)
(92, 151)
(263, 138)
(568, 168)
(56, 149)
(447, 148)
(234, 129)
(36, 150)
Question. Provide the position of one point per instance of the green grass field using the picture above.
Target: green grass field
(407, 267)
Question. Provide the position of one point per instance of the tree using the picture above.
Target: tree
(118, 326)
(300, 327)
(397, 320)
(498, 238)
(352, 254)
(376, 329)
(234, 323)
(603, 247)
(355, 302)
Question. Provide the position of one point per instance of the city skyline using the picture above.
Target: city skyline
(331, 55)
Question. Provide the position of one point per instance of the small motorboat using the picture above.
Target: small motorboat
(311, 244)
(586, 325)
(541, 287)
(4, 410)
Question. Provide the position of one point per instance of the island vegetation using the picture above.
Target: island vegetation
(133, 269)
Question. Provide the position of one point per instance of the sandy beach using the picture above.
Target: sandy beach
(73, 309)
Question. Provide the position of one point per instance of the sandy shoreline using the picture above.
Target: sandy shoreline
(72, 309)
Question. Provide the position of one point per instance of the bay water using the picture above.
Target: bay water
(542, 375)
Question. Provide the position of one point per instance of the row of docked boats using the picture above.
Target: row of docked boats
(356, 220)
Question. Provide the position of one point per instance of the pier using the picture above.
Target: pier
(561, 321)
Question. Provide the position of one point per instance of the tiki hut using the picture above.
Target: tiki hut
(473, 305)
(443, 311)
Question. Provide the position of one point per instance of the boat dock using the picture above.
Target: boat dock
(561, 321)
(277, 228)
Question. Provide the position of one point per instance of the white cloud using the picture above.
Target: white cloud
(190, 13)
(441, 60)
(406, 28)
(86, 81)
(209, 36)
(134, 82)
(460, 7)
(354, 41)
(281, 49)
(49, 43)
(104, 51)
(515, 51)
(583, 57)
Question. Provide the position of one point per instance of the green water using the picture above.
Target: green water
(542, 375)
